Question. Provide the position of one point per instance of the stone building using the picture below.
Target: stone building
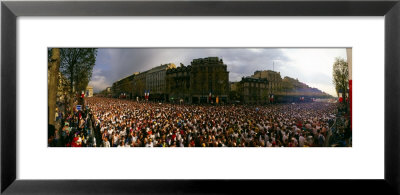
(139, 84)
(123, 87)
(135, 85)
(254, 90)
(156, 82)
(196, 82)
(178, 84)
(250, 91)
(274, 80)
(106, 92)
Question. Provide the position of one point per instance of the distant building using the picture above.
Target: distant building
(250, 90)
(196, 82)
(151, 81)
(139, 84)
(234, 92)
(274, 80)
(254, 90)
(233, 86)
(205, 80)
(89, 91)
(178, 84)
(123, 87)
(156, 83)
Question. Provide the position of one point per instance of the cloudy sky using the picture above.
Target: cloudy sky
(312, 66)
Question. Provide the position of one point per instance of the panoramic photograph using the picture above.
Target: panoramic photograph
(199, 97)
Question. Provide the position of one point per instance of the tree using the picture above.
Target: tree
(53, 71)
(287, 85)
(77, 66)
(222, 82)
(264, 93)
(127, 87)
(140, 87)
(340, 75)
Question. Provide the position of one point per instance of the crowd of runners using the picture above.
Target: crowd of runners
(108, 122)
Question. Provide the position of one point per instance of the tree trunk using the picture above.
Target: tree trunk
(54, 66)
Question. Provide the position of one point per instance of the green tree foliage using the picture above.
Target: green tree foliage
(77, 66)
(127, 87)
(340, 75)
(287, 84)
(140, 87)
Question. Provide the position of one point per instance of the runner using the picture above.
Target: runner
(124, 123)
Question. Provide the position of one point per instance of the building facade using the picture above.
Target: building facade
(254, 90)
(178, 84)
(123, 87)
(139, 84)
(274, 80)
(203, 81)
(156, 81)
(250, 91)
(152, 81)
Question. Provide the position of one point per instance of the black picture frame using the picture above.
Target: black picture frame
(10, 10)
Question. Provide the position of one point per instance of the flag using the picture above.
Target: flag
(146, 95)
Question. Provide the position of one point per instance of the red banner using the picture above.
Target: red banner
(350, 95)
